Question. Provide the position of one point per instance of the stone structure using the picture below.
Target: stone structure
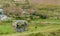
(20, 25)
(2, 16)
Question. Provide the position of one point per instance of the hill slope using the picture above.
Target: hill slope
(44, 31)
(46, 2)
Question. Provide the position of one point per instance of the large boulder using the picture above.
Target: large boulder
(19, 25)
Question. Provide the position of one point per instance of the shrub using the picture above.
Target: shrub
(6, 5)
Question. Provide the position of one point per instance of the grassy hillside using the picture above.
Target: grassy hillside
(43, 17)
(44, 31)
(46, 2)
(12, 8)
(44, 28)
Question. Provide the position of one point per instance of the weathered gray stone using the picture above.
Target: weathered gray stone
(22, 26)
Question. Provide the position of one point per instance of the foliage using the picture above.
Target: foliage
(6, 5)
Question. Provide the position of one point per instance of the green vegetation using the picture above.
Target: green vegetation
(43, 20)
(43, 29)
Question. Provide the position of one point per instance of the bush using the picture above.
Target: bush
(6, 5)
(40, 15)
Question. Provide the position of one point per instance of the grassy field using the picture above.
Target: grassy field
(43, 29)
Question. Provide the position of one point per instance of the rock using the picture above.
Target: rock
(21, 27)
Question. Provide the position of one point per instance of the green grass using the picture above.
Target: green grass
(43, 29)
(40, 31)
(6, 28)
